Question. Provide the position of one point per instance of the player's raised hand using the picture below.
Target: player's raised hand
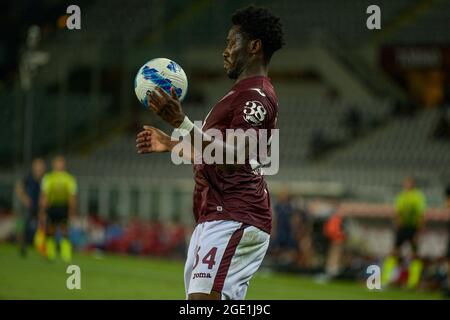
(168, 107)
(153, 140)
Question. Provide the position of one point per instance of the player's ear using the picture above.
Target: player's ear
(255, 46)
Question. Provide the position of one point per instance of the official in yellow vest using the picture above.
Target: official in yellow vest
(58, 207)
(410, 205)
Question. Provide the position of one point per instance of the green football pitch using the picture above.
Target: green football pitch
(125, 277)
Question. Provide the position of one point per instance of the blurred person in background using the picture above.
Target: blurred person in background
(303, 228)
(334, 231)
(57, 208)
(284, 245)
(410, 205)
(28, 191)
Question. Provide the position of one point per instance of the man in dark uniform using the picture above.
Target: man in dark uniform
(28, 191)
(284, 245)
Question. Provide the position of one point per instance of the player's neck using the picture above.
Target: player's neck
(253, 71)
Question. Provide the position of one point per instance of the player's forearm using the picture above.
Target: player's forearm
(183, 149)
(231, 154)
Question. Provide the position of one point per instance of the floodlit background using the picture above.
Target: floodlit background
(359, 111)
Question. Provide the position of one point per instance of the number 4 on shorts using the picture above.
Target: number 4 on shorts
(209, 258)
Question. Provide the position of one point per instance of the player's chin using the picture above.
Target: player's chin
(232, 74)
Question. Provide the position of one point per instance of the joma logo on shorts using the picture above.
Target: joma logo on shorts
(202, 275)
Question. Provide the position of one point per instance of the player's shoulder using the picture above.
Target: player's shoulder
(252, 94)
(262, 91)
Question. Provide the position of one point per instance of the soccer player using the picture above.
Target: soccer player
(57, 207)
(28, 191)
(231, 201)
(410, 205)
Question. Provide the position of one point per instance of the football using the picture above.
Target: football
(160, 72)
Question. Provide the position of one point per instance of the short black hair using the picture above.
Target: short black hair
(260, 23)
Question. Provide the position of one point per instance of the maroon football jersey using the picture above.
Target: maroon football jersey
(239, 195)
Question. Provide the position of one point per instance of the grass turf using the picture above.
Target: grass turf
(125, 277)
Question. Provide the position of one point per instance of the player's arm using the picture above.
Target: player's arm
(169, 109)
(22, 195)
(152, 139)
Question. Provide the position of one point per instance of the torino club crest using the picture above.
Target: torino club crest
(254, 113)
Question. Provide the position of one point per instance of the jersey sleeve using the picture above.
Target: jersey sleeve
(252, 109)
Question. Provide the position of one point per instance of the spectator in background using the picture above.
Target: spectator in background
(410, 205)
(57, 207)
(284, 245)
(334, 231)
(28, 191)
(303, 229)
